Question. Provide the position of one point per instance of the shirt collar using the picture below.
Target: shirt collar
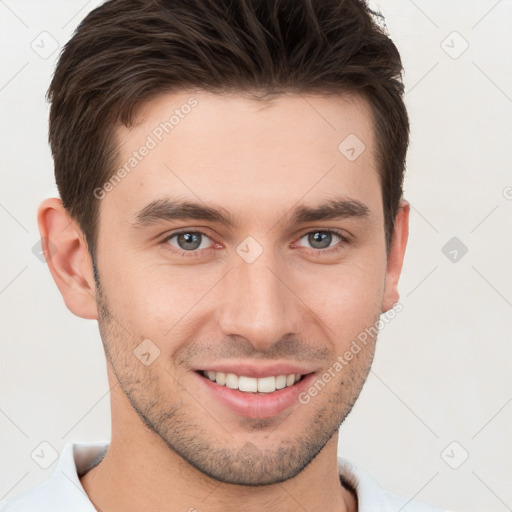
(63, 491)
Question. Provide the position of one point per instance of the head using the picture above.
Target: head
(231, 182)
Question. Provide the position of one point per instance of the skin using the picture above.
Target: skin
(170, 437)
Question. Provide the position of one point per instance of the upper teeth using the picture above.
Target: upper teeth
(243, 383)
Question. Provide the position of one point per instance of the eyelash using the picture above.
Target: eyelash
(197, 253)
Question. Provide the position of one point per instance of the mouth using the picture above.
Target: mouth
(254, 397)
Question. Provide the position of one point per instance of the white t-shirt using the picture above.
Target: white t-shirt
(63, 492)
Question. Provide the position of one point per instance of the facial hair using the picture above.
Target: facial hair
(179, 421)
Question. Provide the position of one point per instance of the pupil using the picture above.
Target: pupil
(320, 237)
(190, 240)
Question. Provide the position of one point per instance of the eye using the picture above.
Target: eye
(187, 243)
(321, 240)
(196, 243)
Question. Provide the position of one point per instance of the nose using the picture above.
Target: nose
(258, 303)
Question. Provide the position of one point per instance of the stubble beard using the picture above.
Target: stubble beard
(247, 464)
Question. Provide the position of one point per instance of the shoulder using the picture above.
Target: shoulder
(372, 497)
(61, 491)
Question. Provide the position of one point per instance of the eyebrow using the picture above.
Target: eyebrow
(168, 210)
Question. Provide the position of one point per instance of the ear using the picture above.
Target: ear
(65, 249)
(396, 256)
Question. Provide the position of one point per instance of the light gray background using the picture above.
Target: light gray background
(442, 371)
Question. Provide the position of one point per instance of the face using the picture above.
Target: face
(268, 275)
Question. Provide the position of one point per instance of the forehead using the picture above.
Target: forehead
(248, 156)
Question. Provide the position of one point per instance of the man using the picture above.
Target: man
(231, 213)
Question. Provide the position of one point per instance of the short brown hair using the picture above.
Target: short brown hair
(126, 52)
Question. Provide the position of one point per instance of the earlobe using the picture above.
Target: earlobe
(396, 256)
(65, 249)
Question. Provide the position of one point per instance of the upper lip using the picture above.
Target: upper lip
(256, 370)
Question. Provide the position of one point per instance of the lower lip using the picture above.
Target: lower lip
(256, 406)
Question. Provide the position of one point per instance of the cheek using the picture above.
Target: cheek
(349, 299)
(155, 299)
